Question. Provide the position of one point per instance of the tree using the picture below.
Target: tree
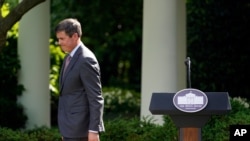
(10, 13)
(14, 16)
(218, 44)
(114, 36)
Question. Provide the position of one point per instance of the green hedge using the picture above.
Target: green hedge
(121, 102)
(217, 128)
(38, 134)
(10, 88)
(134, 129)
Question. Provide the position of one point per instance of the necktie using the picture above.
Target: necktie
(66, 63)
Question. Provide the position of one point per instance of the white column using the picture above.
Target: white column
(33, 48)
(164, 50)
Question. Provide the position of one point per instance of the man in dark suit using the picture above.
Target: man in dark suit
(81, 103)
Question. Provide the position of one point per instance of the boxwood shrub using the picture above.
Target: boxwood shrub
(125, 128)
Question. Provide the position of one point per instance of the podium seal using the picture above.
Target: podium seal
(190, 100)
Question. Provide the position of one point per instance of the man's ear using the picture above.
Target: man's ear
(75, 36)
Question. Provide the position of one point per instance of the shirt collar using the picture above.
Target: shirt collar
(75, 49)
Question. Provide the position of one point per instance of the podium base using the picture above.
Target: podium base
(190, 134)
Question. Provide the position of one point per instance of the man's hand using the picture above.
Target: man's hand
(93, 136)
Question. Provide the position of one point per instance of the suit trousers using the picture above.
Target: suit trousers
(75, 139)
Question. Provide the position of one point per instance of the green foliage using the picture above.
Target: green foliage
(121, 102)
(136, 129)
(218, 45)
(44, 134)
(12, 114)
(114, 38)
(38, 134)
(217, 128)
(56, 59)
(7, 134)
(118, 103)
(4, 9)
(11, 3)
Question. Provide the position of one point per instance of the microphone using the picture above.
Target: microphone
(188, 64)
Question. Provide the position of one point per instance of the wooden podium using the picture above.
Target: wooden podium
(190, 124)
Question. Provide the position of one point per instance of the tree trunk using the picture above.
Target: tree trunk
(14, 16)
(2, 40)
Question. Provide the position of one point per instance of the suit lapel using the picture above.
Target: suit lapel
(61, 72)
(70, 66)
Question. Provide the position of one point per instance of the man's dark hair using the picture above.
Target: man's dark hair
(70, 26)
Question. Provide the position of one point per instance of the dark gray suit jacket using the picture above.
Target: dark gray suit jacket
(80, 107)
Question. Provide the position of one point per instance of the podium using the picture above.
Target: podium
(190, 124)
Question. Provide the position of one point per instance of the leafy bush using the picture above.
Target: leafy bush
(134, 129)
(56, 59)
(45, 134)
(218, 45)
(10, 89)
(38, 134)
(121, 102)
(217, 128)
(118, 103)
(7, 134)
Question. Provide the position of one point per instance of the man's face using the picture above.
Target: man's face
(67, 43)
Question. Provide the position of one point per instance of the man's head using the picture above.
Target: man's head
(68, 33)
